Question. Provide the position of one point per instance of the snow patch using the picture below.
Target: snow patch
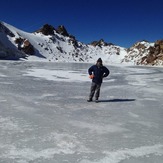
(123, 154)
(58, 75)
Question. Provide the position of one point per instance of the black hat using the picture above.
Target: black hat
(99, 60)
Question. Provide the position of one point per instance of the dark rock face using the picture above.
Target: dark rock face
(25, 46)
(47, 30)
(73, 41)
(159, 46)
(100, 43)
(28, 48)
(155, 53)
(62, 30)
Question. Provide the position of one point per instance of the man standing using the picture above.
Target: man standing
(97, 73)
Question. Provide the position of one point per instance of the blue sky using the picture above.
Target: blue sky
(122, 22)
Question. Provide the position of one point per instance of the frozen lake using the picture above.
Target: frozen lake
(44, 116)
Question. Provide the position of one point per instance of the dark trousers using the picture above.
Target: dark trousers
(95, 89)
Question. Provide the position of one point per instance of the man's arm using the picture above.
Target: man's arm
(106, 72)
(90, 70)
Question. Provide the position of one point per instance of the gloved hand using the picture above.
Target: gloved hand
(91, 76)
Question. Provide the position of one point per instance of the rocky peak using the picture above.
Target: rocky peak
(139, 45)
(100, 43)
(146, 53)
(62, 30)
(46, 29)
(136, 52)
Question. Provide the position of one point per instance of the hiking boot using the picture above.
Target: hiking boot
(89, 100)
(96, 100)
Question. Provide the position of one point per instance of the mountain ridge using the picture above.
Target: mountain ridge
(56, 44)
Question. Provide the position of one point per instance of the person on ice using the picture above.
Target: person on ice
(97, 72)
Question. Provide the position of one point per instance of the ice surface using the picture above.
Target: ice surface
(44, 116)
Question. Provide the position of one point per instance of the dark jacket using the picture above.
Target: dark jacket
(99, 73)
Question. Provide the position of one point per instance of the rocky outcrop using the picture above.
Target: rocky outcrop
(62, 30)
(73, 41)
(46, 30)
(49, 30)
(136, 52)
(28, 47)
(100, 43)
(25, 46)
(145, 53)
(155, 55)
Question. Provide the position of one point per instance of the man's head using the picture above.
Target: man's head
(99, 62)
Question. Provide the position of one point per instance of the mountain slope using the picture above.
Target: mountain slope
(145, 53)
(7, 48)
(58, 45)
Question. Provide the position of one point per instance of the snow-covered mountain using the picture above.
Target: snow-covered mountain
(145, 53)
(58, 45)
